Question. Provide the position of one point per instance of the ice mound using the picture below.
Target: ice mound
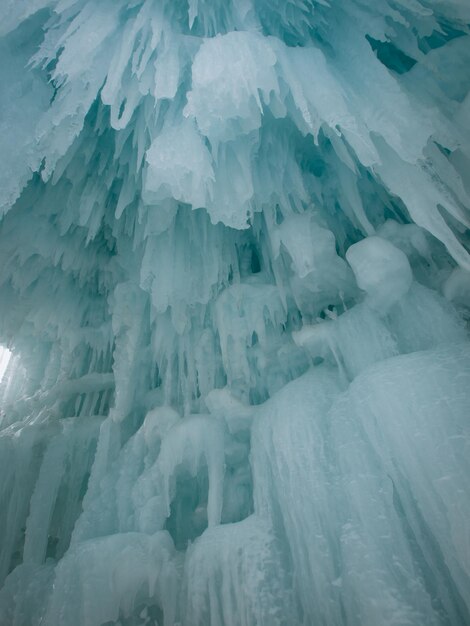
(235, 283)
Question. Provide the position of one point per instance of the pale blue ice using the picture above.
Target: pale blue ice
(235, 284)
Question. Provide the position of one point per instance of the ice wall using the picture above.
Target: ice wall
(235, 282)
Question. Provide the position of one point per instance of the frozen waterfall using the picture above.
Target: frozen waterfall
(235, 285)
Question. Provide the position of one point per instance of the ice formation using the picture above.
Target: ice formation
(235, 282)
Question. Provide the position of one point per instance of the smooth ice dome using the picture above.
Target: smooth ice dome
(381, 270)
(234, 305)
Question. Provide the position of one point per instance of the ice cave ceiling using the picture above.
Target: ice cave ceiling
(235, 284)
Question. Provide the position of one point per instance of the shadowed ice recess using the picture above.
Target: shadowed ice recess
(235, 285)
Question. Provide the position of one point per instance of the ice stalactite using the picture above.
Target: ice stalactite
(235, 284)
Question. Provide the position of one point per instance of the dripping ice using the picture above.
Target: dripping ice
(235, 284)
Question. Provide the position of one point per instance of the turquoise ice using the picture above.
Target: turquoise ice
(235, 284)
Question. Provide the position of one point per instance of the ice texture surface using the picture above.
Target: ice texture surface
(235, 284)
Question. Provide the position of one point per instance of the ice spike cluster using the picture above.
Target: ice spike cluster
(235, 284)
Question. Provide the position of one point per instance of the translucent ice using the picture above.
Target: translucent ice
(235, 293)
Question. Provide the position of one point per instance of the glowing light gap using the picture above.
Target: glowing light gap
(5, 356)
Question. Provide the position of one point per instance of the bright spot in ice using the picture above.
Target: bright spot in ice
(5, 355)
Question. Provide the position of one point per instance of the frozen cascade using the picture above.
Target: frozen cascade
(235, 284)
